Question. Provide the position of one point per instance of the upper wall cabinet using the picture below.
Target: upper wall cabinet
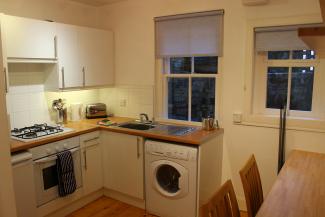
(28, 39)
(96, 55)
(70, 67)
(85, 58)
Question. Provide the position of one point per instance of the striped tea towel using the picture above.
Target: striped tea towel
(66, 178)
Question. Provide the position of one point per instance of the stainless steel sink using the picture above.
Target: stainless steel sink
(137, 126)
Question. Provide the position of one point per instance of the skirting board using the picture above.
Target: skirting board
(125, 198)
(77, 204)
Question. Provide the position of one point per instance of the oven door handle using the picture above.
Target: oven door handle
(49, 159)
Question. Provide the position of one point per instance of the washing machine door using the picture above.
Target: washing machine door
(170, 179)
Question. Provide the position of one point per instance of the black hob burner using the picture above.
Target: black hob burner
(35, 131)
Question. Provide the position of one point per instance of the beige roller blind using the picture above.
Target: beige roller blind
(278, 39)
(194, 34)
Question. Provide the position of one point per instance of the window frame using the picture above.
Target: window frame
(248, 117)
(262, 62)
(165, 74)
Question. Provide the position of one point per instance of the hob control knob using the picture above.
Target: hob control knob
(65, 146)
(57, 148)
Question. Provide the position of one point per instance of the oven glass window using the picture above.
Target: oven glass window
(50, 177)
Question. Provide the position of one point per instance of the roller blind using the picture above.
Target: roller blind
(278, 39)
(194, 34)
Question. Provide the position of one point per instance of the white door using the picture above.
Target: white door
(96, 56)
(92, 166)
(123, 163)
(29, 38)
(7, 198)
(70, 69)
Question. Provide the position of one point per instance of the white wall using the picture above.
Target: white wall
(132, 22)
(128, 101)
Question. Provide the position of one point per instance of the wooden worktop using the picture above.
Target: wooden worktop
(299, 190)
(85, 126)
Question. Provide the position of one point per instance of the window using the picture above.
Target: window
(191, 87)
(188, 48)
(289, 81)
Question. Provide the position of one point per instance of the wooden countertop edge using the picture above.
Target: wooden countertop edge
(92, 127)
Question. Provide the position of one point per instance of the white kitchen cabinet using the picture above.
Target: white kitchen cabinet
(85, 58)
(26, 38)
(92, 162)
(3, 57)
(69, 65)
(123, 163)
(96, 56)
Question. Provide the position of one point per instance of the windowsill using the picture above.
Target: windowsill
(293, 123)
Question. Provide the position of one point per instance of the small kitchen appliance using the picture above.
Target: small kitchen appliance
(96, 110)
(76, 111)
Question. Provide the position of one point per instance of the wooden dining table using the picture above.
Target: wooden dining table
(299, 190)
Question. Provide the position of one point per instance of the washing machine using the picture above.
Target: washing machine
(171, 179)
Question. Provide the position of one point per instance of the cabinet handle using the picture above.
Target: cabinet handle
(55, 47)
(6, 81)
(89, 140)
(138, 147)
(85, 158)
(84, 76)
(63, 81)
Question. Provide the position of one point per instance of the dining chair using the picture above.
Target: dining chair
(222, 204)
(252, 185)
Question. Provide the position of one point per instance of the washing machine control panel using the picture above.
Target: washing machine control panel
(172, 151)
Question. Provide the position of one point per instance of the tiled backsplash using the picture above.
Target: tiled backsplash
(28, 103)
(128, 101)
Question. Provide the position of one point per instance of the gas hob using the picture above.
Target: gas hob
(37, 131)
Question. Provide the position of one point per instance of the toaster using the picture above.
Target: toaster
(96, 110)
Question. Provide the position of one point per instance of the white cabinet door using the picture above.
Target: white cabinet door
(96, 52)
(123, 163)
(70, 69)
(92, 162)
(29, 38)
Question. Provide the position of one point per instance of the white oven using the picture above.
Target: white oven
(45, 170)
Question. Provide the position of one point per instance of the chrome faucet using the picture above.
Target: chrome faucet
(144, 118)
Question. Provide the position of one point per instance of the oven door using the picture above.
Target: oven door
(46, 177)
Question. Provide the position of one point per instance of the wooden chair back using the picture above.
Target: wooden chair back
(252, 185)
(222, 204)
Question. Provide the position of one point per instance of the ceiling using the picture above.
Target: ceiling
(96, 2)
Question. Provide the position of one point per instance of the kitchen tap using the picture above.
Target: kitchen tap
(144, 118)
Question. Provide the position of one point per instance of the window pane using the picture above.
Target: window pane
(303, 54)
(206, 65)
(180, 65)
(203, 98)
(277, 87)
(178, 98)
(302, 82)
(278, 55)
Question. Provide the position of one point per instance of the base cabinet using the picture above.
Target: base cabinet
(123, 163)
(92, 162)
